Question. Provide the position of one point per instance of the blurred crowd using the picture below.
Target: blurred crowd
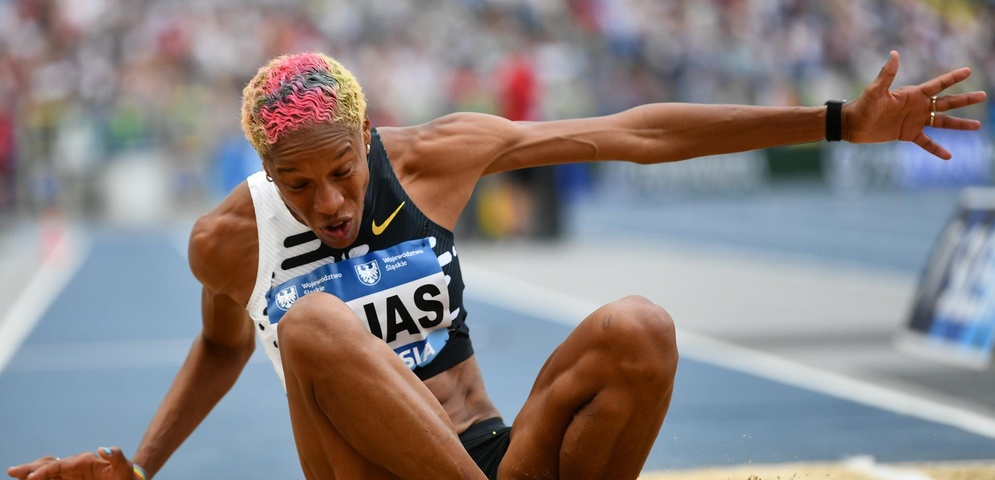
(86, 83)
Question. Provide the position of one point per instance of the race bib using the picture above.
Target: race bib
(400, 292)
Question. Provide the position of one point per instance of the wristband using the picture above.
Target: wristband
(139, 472)
(834, 120)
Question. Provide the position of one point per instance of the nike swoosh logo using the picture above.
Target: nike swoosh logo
(378, 229)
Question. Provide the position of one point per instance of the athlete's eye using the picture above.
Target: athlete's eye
(344, 172)
(297, 187)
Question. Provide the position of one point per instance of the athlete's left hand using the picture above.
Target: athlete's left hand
(883, 115)
(106, 464)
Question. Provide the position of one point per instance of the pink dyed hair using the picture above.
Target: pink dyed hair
(298, 91)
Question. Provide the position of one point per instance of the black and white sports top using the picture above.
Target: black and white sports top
(401, 276)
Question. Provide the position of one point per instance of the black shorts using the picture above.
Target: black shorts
(487, 442)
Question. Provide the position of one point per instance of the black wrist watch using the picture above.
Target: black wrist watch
(834, 120)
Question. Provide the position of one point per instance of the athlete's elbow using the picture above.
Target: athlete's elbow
(235, 351)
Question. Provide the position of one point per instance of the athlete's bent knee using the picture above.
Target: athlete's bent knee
(642, 336)
(317, 318)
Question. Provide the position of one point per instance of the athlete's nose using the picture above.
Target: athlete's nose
(328, 199)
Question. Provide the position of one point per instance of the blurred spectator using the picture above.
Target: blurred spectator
(110, 76)
(6, 160)
(508, 203)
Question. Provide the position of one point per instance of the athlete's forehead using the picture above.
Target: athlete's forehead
(326, 142)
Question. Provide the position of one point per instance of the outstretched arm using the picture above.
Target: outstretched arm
(440, 162)
(481, 144)
(667, 132)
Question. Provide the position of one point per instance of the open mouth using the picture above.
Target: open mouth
(338, 231)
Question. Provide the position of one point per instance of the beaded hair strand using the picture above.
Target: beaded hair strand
(298, 91)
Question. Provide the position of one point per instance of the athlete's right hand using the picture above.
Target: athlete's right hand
(106, 464)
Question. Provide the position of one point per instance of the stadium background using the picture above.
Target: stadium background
(92, 88)
(121, 116)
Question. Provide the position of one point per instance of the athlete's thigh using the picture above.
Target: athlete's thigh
(317, 336)
(324, 453)
(353, 402)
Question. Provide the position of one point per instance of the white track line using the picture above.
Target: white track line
(60, 265)
(867, 466)
(566, 309)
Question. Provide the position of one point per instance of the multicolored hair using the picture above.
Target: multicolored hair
(299, 91)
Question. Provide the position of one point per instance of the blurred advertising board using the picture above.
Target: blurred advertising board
(970, 165)
(716, 174)
(853, 169)
(953, 314)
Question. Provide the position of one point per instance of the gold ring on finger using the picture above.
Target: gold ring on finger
(932, 117)
(933, 104)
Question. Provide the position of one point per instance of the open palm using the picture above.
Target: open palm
(882, 115)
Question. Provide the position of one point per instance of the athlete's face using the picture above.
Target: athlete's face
(322, 175)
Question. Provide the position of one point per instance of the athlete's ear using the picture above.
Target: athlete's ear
(366, 131)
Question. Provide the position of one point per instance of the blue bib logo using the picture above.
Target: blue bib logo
(286, 297)
(369, 273)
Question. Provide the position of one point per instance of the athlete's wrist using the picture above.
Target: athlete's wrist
(835, 124)
(139, 472)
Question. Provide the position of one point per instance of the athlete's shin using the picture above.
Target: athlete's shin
(598, 403)
(636, 363)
